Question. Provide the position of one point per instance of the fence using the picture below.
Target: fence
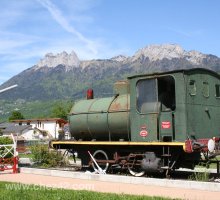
(9, 156)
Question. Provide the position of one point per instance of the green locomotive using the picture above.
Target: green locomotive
(155, 122)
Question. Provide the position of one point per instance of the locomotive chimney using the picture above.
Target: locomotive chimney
(89, 94)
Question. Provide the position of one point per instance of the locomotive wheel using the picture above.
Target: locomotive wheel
(101, 158)
(134, 166)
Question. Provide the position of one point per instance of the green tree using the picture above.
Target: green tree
(61, 110)
(15, 115)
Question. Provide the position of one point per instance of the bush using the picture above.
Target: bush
(3, 151)
(6, 140)
(45, 157)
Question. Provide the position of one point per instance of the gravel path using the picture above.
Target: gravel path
(93, 185)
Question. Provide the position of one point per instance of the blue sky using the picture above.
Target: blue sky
(102, 28)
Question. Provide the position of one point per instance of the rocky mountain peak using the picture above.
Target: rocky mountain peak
(53, 60)
(119, 58)
(168, 51)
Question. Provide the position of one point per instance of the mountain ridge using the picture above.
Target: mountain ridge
(153, 52)
(64, 76)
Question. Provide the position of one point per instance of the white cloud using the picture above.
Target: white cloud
(64, 23)
(28, 33)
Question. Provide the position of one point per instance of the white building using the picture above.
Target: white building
(18, 132)
(41, 128)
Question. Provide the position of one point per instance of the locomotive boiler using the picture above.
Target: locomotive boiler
(153, 123)
(103, 119)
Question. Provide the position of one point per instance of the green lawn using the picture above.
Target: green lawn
(16, 191)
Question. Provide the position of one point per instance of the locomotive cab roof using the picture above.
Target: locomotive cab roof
(184, 71)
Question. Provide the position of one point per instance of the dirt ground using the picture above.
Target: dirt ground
(78, 184)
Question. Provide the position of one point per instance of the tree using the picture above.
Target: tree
(15, 115)
(61, 110)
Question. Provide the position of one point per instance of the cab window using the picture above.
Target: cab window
(146, 96)
(166, 93)
(217, 91)
(205, 90)
(192, 87)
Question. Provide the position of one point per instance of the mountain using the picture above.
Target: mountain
(51, 61)
(64, 76)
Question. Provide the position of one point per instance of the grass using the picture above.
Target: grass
(11, 191)
(200, 176)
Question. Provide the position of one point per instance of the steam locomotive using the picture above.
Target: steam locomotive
(154, 123)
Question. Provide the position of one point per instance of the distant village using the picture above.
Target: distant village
(28, 131)
(32, 131)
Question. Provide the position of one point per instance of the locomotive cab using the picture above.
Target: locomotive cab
(154, 110)
(181, 105)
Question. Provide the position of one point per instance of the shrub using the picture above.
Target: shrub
(6, 140)
(3, 150)
(45, 157)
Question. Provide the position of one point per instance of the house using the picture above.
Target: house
(22, 134)
(19, 132)
(47, 127)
